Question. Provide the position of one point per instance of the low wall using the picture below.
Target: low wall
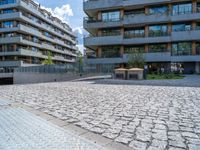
(26, 77)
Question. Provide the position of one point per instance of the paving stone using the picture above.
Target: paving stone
(137, 145)
(21, 130)
(164, 113)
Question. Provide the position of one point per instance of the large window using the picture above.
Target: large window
(182, 8)
(158, 10)
(111, 16)
(110, 32)
(158, 30)
(6, 11)
(8, 24)
(183, 48)
(133, 49)
(132, 33)
(198, 7)
(3, 2)
(110, 51)
(133, 13)
(182, 27)
(154, 48)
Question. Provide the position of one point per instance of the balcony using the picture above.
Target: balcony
(186, 35)
(105, 4)
(90, 23)
(11, 63)
(146, 19)
(104, 40)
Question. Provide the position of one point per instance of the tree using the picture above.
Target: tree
(49, 60)
(80, 61)
(136, 60)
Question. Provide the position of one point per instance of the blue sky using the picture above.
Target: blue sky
(71, 11)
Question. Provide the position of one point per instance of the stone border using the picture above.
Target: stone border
(104, 142)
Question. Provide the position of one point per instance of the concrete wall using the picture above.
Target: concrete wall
(25, 78)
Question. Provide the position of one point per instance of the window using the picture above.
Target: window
(198, 7)
(183, 48)
(158, 30)
(134, 49)
(158, 10)
(110, 51)
(182, 8)
(133, 13)
(132, 33)
(182, 27)
(4, 2)
(8, 24)
(153, 48)
(111, 16)
(6, 11)
(110, 32)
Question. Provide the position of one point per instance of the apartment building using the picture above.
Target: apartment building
(29, 33)
(167, 32)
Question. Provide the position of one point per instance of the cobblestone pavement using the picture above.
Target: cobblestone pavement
(142, 117)
(21, 130)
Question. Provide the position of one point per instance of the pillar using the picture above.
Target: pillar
(99, 52)
(193, 48)
(146, 48)
(197, 67)
(99, 33)
(169, 45)
(121, 51)
(194, 25)
(146, 10)
(121, 13)
(194, 6)
(146, 30)
(169, 28)
(170, 9)
(99, 17)
(122, 31)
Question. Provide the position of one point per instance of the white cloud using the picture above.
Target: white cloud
(63, 12)
(78, 30)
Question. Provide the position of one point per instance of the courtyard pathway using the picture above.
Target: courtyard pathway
(139, 116)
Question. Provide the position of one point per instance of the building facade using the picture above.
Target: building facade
(166, 31)
(28, 34)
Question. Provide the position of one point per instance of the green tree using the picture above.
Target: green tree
(80, 61)
(136, 60)
(49, 60)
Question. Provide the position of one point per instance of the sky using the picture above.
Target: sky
(69, 11)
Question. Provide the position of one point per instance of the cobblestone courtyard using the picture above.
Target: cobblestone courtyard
(142, 117)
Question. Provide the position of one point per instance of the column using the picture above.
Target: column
(121, 13)
(121, 51)
(146, 30)
(99, 16)
(99, 52)
(170, 9)
(169, 46)
(193, 48)
(146, 10)
(169, 28)
(194, 6)
(99, 33)
(146, 48)
(197, 67)
(194, 25)
(122, 31)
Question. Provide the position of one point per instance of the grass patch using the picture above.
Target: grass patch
(164, 76)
